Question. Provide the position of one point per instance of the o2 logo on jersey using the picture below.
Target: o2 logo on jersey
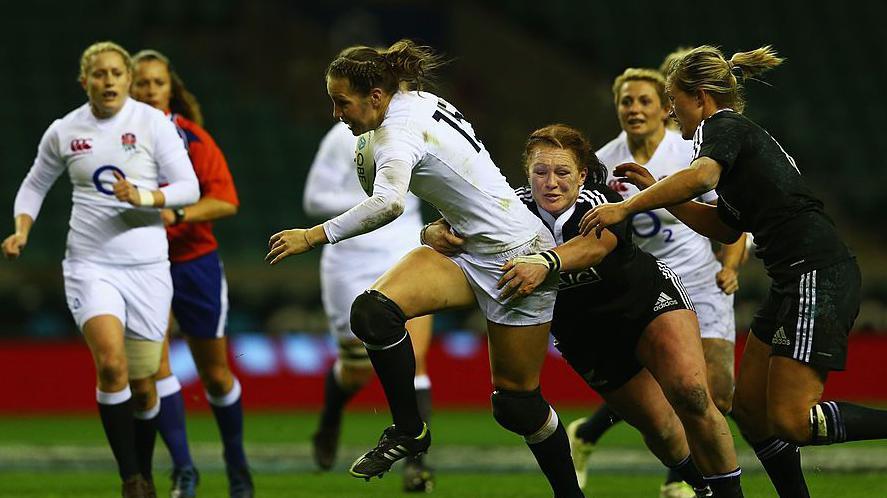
(97, 181)
(655, 227)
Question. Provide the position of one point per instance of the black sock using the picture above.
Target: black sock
(782, 461)
(600, 422)
(145, 435)
(396, 367)
(335, 397)
(119, 429)
(553, 456)
(725, 485)
(686, 471)
(836, 422)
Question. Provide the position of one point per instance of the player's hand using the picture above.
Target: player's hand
(168, 216)
(125, 191)
(13, 245)
(287, 243)
(601, 217)
(438, 236)
(521, 279)
(634, 174)
(728, 280)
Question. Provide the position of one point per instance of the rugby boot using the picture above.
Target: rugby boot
(417, 477)
(393, 446)
(580, 450)
(324, 445)
(184, 483)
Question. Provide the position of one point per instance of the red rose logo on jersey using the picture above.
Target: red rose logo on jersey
(81, 145)
(129, 142)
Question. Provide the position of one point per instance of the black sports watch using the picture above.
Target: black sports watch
(180, 215)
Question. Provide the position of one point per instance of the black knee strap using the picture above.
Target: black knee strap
(521, 412)
(377, 321)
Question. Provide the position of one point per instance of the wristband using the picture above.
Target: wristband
(146, 197)
(548, 259)
(180, 216)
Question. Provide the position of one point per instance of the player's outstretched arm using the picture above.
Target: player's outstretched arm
(15, 243)
(296, 241)
(524, 274)
(702, 176)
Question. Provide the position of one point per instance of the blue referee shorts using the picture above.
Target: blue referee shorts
(200, 296)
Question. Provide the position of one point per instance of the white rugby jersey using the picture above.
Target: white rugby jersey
(658, 232)
(139, 142)
(424, 144)
(332, 188)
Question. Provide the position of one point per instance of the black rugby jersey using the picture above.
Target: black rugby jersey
(615, 285)
(761, 191)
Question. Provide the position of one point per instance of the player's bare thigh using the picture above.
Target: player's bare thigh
(517, 354)
(719, 358)
(424, 282)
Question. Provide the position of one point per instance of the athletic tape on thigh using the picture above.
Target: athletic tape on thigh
(142, 357)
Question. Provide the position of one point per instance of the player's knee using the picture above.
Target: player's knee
(789, 424)
(376, 320)
(521, 412)
(723, 401)
(111, 370)
(216, 379)
(356, 376)
(690, 398)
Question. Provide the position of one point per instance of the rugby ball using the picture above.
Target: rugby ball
(364, 162)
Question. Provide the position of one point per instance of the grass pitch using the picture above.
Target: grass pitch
(67, 457)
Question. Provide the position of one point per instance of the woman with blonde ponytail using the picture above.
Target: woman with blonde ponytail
(417, 141)
(800, 332)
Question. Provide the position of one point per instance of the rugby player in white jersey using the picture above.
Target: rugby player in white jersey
(346, 270)
(423, 144)
(642, 109)
(116, 269)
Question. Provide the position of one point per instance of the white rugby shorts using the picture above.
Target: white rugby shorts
(139, 295)
(714, 310)
(483, 272)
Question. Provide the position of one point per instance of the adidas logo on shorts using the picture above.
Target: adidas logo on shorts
(664, 301)
(780, 338)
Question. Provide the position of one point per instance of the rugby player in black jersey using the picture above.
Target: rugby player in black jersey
(622, 319)
(800, 333)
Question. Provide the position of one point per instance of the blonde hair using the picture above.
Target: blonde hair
(403, 62)
(97, 48)
(673, 56)
(705, 68)
(651, 76)
(181, 100)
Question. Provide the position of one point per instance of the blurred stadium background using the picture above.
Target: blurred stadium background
(257, 68)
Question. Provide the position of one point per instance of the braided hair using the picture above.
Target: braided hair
(405, 61)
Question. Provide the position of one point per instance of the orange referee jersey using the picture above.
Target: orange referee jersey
(188, 241)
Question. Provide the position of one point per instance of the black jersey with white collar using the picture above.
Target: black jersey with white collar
(762, 191)
(614, 285)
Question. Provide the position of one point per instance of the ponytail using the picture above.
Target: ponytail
(403, 63)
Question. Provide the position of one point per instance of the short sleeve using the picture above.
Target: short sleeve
(212, 170)
(718, 138)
